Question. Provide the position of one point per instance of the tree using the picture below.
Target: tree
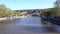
(3, 10)
(51, 12)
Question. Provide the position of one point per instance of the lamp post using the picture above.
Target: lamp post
(8, 18)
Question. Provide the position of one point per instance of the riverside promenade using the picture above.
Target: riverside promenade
(14, 17)
(10, 19)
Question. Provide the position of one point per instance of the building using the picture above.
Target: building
(32, 12)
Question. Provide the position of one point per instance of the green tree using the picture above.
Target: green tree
(3, 10)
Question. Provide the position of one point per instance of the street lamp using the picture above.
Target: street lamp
(8, 18)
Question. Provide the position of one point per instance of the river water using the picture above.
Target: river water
(32, 25)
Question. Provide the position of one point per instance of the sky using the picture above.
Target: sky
(28, 4)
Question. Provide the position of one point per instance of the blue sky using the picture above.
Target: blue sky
(28, 4)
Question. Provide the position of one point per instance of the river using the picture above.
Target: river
(32, 25)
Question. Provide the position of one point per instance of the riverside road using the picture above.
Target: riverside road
(32, 25)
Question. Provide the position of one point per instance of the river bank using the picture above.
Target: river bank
(11, 19)
(54, 20)
(8, 19)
